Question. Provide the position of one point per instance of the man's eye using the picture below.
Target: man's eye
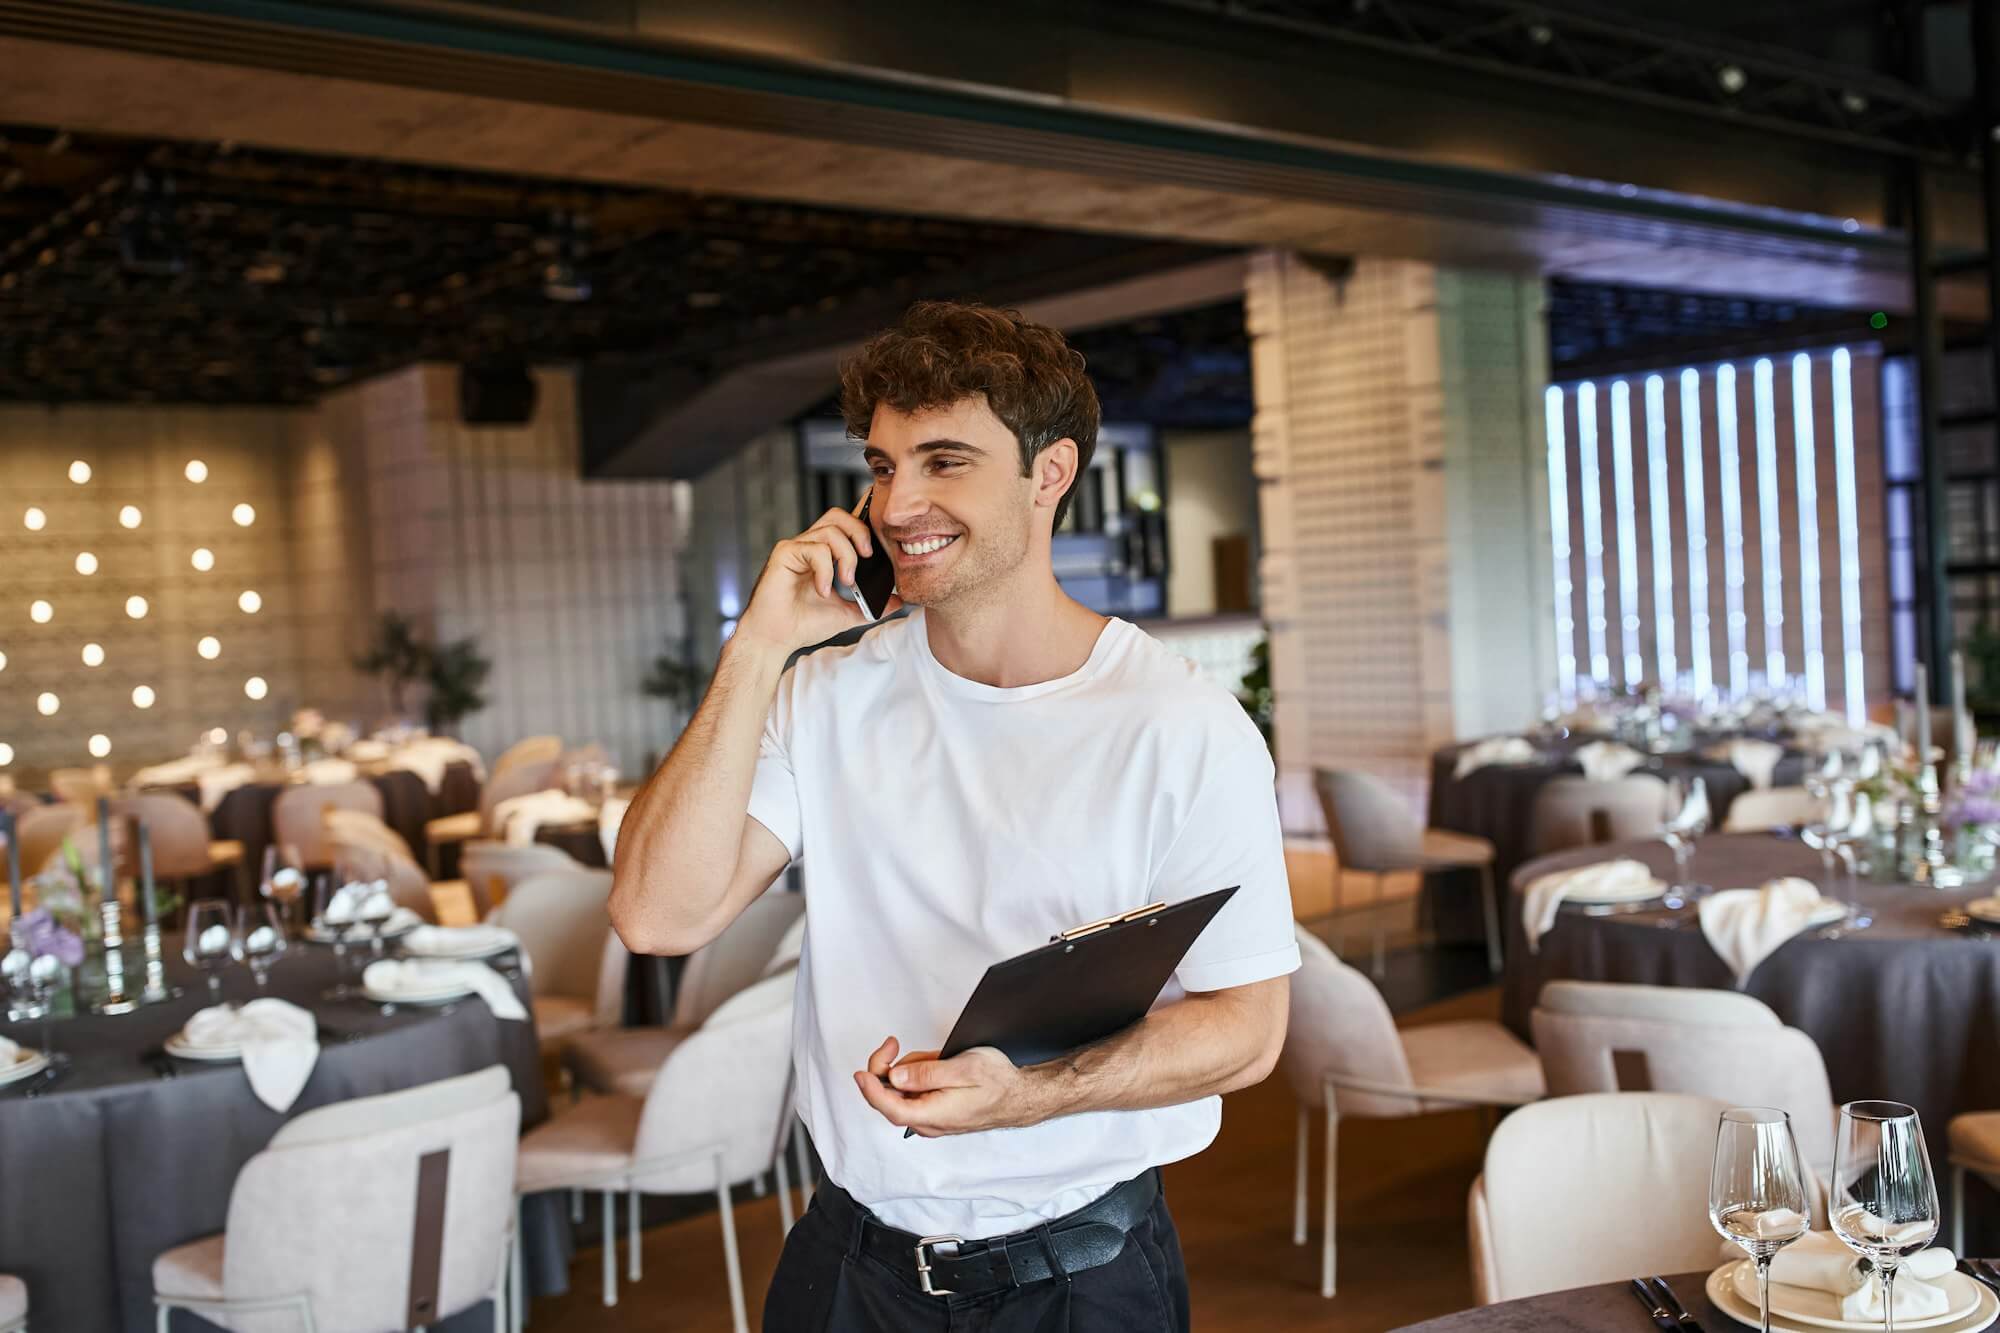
(947, 462)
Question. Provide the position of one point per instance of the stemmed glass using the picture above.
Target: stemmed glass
(1756, 1190)
(335, 931)
(261, 937)
(376, 909)
(210, 943)
(1687, 823)
(282, 883)
(1885, 1205)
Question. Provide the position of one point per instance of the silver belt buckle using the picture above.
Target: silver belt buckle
(923, 1265)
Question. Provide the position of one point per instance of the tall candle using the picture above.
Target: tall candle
(1923, 715)
(1961, 722)
(13, 864)
(105, 865)
(146, 875)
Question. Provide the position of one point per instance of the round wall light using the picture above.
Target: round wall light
(130, 517)
(250, 603)
(34, 519)
(86, 563)
(6, 754)
(100, 745)
(41, 612)
(209, 647)
(196, 471)
(46, 704)
(135, 607)
(142, 696)
(79, 472)
(203, 559)
(93, 654)
(255, 687)
(244, 515)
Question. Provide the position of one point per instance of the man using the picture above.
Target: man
(1000, 764)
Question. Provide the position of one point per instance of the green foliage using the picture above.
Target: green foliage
(451, 673)
(1255, 692)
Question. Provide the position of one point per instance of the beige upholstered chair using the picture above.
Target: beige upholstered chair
(713, 1117)
(298, 817)
(367, 848)
(382, 1212)
(578, 961)
(1974, 1145)
(1344, 1055)
(1756, 811)
(626, 1059)
(182, 849)
(42, 831)
(1606, 1037)
(491, 868)
(13, 1305)
(529, 749)
(1374, 832)
(517, 779)
(1598, 1188)
(1580, 812)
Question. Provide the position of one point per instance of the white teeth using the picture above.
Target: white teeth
(926, 547)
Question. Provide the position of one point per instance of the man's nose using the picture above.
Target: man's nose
(899, 505)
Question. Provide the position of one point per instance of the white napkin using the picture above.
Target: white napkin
(1607, 761)
(1610, 879)
(448, 941)
(609, 816)
(217, 783)
(1755, 759)
(430, 757)
(521, 816)
(366, 752)
(394, 975)
(1493, 750)
(1818, 1261)
(328, 772)
(10, 1053)
(1746, 926)
(280, 1044)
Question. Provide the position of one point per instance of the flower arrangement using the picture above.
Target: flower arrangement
(1975, 802)
(41, 933)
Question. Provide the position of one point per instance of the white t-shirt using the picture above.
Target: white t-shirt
(952, 824)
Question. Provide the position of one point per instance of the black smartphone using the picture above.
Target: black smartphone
(874, 574)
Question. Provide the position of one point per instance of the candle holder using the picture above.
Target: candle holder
(116, 998)
(157, 988)
(1927, 863)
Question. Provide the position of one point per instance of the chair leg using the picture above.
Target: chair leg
(1957, 1209)
(1339, 916)
(1490, 903)
(783, 1173)
(164, 1319)
(1381, 924)
(611, 1247)
(632, 1236)
(1299, 1176)
(805, 1163)
(729, 1259)
(1326, 1204)
(576, 1207)
(517, 1304)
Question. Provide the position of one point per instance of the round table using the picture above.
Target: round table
(1497, 803)
(1611, 1308)
(1906, 1010)
(116, 1162)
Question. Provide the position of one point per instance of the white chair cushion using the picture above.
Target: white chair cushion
(559, 1017)
(1975, 1140)
(452, 828)
(192, 1271)
(580, 1146)
(1474, 1057)
(13, 1299)
(1441, 847)
(622, 1060)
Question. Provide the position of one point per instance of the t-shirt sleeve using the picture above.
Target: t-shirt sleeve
(774, 789)
(1232, 836)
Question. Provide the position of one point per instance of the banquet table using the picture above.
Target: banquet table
(1497, 802)
(1610, 1308)
(116, 1163)
(1906, 1009)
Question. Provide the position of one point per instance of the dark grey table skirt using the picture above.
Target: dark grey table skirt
(1610, 1308)
(115, 1164)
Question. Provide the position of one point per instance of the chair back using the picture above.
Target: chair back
(492, 868)
(1755, 811)
(529, 749)
(81, 785)
(177, 829)
(1580, 812)
(1341, 1026)
(42, 831)
(1371, 827)
(1593, 1038)
(298, 817)
(564, 924)
(737, 957)
(373, 1186)
(530, 775)
(724, 1088)
(366, 848)
(1600, 1188)
(359, 828)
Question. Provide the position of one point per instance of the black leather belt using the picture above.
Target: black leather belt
(1094, 1234)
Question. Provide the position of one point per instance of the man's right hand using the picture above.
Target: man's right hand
(794, 604)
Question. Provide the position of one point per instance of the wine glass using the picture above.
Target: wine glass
(1756, 1190)
(1688, 822)
(1884, 1204)
(210, 943)
(333, 915)
(261, 937)
(283, 883)
(376, 909)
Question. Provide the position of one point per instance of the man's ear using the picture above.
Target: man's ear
(1054, 471)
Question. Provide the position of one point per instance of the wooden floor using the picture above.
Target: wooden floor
(1402, 1229)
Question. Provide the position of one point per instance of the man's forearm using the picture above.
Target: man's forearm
(1198, 1047)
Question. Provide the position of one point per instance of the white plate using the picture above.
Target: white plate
(417, 997)
(179, 1047)
(1984, 909)
(1803, 1305)
(26, 1064)
(1721, 1289)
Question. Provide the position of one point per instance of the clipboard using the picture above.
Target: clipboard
(1084, 984)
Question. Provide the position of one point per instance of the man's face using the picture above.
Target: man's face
(952, 473)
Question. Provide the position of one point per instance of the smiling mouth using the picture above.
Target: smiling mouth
(929, 550)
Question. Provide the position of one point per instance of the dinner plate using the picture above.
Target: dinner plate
(1721, 1289)
(457, 992)
(1804, 1305)
(26, 1064)
(179, 1047)
(479, 942)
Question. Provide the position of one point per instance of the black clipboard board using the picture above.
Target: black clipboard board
(1082, 986)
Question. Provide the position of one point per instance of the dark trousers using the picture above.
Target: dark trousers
(825, 1283)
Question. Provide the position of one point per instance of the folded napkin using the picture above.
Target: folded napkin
(352, 901)
(1754, 759)
(1746, 926)
(328, 772)
(430, 757)
(1623, 878)
(1818, 1261)
(392, 976)
(280, 1044)
(609, 816)
(1607, 761)
(522, 816)
(437, 941)
(1493, 750)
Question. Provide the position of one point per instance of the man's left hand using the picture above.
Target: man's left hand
(979, 1089)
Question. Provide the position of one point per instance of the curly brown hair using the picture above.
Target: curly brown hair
(946, 351)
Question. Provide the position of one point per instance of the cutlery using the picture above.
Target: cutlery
(1991, 1270)
(1687, 1322)
(45, 1080)
(1967, 1267)
(1658, 1312)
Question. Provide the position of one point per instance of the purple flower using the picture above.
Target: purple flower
(40, 934)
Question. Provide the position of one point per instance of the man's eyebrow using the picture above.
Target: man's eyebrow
(871, 453)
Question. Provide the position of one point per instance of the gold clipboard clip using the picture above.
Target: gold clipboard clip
(1092, 927)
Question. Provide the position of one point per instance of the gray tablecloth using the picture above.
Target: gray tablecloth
(115, 1164)
(1611, 1308)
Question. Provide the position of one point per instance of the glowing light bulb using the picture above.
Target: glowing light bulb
(34, 519)
(135, 607)
(197, 471)
(41, 612)
(79, 472)
(3, 661)
(46, 704)
(100, 745)
(217, 735)
(142, 696)
(203, 559)
(93, 654)
(209, 647)
(130, 517)
(6, 754)
(250, 602)
(86, 563)
(244, 515)
(255, 687)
